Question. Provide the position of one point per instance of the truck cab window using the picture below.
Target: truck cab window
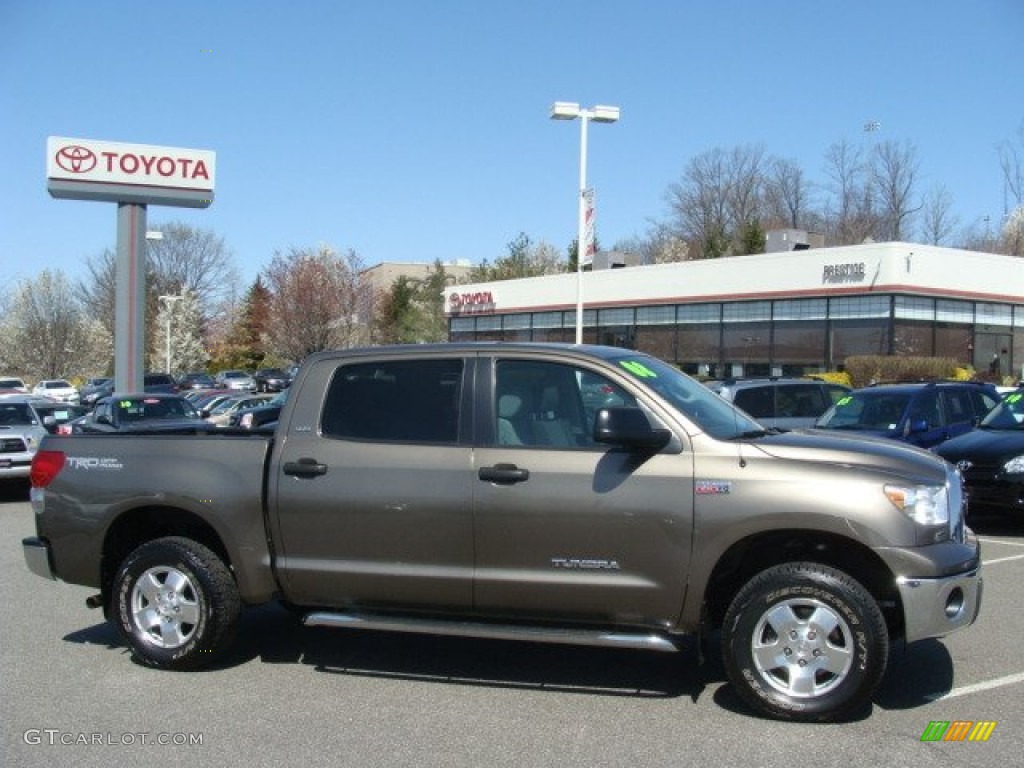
(401, 401)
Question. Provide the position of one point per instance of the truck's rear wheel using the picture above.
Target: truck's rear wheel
(804, 641)
(176, 603)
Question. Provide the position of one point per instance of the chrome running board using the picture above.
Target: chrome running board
(648, 641)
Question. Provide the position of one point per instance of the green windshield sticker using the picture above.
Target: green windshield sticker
(844, 401)
(125, 404)
(638, 369)
(1013, 398)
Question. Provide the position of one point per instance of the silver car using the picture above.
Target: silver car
(236, 379)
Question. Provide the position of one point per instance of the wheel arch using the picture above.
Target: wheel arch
(753, 554)
(138, 526)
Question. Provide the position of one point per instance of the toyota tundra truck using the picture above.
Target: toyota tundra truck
(543, 492)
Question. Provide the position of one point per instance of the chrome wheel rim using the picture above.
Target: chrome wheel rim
(165, 607)
(802, 648)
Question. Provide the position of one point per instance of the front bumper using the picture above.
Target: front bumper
(37, 557)
(936, 607)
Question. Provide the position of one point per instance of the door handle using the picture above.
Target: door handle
(504, 474)
(304, 467)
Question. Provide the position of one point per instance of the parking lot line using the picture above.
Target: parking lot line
(1002, 559)
(1000, 541)
(998, 682)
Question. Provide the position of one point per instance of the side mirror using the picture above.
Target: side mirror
(104, 419)
(629, 427)
(918, 425)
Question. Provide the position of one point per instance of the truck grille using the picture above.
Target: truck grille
(12, 445)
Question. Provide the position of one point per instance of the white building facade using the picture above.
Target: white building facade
(786, 313)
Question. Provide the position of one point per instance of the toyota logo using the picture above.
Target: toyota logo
(455, 300)
(965, 465)
(76, 159)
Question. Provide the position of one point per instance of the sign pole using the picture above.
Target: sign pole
(130, 301)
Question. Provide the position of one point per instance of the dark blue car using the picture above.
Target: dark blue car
(922, 414)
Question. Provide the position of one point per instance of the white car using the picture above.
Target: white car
(56, 389)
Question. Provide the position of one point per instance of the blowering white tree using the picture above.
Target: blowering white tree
(187, 350)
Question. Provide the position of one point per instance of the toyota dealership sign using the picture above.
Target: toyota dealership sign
(85, 169)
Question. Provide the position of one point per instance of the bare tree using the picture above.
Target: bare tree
(937, 220)
(894, 177)
(96, 292)
(46, 334)
(850, 218)
(1011, 160)
(719, 195)
(319, 300)
(787, 194)
(196, 259)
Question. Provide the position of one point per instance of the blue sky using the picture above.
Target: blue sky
(412, 130)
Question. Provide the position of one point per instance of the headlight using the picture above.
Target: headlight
(1014, 466)
(924, 504)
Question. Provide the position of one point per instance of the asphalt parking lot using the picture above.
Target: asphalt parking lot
(70, 694)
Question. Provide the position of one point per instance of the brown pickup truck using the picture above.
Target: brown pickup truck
(550, 493)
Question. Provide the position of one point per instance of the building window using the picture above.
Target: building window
(547, 320)
(800, 309)
(656, 315)
(947, 311)
(912, 338)
(993, 314)
(699, 349)
(657, 340)
(851, 307)
(699, 313)
(746, 349)
(798, 348)
(746, 311)
(914, 308)
(858, 337)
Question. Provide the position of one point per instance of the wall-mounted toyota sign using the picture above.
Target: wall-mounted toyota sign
(85, 169)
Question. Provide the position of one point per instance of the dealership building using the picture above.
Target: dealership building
(789, 312)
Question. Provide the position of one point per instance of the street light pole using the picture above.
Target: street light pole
(170, 308)
(567, 110)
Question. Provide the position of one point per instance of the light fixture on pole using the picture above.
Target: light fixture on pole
(170, 308)
(570, 110)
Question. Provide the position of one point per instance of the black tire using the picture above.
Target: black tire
(176, 604)
(805, 642)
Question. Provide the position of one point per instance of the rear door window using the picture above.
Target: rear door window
(406, 401)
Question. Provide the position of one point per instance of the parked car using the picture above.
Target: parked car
(271, 380)
(160, 383)
(783, 403)
(220, 413)
(236, 379)
(255, 417)
(52, 414)
(57, 389)
(140, 412)
(95, 388)
(923, 414)
(21, 431)
(197, 381)
(991, 458)
(213, 398)
(13, 385)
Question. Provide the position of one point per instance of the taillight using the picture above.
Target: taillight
(45, 466)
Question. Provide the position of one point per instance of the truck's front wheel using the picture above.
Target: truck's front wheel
(804, 641)
(176, 603)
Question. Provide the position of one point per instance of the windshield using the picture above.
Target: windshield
(151, 408)
(710, 412)
(1009, 414)
(869, 409)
